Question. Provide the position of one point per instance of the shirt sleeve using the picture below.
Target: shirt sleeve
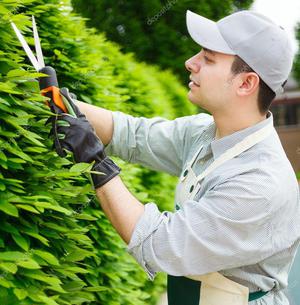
(230, 226)
(156, 143)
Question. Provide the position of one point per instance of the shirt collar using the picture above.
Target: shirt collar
(219, 146)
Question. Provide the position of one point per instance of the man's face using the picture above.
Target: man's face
(210, 72)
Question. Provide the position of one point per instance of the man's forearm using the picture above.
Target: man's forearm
(100, 118)
(120, 206)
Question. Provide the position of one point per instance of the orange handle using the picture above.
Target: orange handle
(56, 97)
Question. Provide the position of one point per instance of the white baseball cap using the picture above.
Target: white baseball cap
(256, 39)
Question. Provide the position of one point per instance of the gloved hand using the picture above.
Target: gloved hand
(76, 134)
(66, 97)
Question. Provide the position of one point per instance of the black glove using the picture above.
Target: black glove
(65, 94)
(76, 134)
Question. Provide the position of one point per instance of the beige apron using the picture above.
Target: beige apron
(216, 289)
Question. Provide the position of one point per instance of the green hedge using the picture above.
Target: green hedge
(56, 245)
(296, 64)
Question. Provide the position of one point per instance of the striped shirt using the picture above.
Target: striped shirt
(244, 221)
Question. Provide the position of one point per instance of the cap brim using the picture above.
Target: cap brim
(205, 32)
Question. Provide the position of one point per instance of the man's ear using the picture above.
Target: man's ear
(249, 83)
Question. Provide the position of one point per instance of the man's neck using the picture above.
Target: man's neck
(227, 125)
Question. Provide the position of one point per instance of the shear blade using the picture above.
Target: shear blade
(26, 48)
(38, 49)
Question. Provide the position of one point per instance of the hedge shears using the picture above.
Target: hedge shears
(48, 84)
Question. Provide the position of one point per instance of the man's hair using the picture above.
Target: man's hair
(265, 93)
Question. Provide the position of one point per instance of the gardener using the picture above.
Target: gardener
(236, 224)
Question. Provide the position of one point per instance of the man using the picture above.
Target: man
(236, 227)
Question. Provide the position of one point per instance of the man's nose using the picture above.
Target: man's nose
(191, 65)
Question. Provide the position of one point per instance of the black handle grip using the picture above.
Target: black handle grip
(50, 80)
(56, 103)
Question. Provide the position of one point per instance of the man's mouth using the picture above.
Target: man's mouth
(193, 83)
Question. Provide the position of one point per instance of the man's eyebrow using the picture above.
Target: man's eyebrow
(209, 51)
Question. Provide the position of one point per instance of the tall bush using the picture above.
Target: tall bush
(56, 245)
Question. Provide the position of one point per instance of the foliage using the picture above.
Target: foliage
(296, 66)
(56, 245)
(155, 31)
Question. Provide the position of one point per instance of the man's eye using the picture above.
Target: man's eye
(206, 58)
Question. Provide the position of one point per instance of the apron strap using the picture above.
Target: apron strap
(238, 148)
(182, 290)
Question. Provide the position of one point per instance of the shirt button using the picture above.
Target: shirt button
(192, 188)
(185, 173)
